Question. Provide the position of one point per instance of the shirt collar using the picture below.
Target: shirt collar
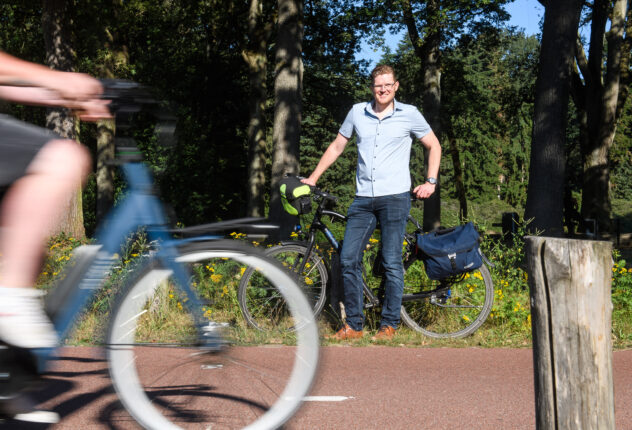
(369, 108)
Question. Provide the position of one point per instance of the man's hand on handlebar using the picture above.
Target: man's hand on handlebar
(309, 181)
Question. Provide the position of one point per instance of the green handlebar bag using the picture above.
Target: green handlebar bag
(295, 196)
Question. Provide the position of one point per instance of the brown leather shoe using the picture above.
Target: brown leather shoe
(385, 332)
(346, 333)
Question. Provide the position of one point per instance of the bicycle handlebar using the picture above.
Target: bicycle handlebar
(128, 98)
(324, 195)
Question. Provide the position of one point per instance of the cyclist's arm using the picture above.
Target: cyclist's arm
(30, 96)
(430, 142)
(32, 83)
(331, 154)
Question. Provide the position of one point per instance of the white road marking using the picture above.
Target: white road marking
(326, 398)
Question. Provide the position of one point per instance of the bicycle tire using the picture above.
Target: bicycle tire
(260, 303)
(456, 309)
(198, 388)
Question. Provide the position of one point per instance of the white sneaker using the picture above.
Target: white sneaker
(23, 322)
(44, 417)
(22, 408)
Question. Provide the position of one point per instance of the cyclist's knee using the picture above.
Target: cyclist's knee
(62, 159)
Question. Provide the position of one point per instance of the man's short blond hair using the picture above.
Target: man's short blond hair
(382, 69)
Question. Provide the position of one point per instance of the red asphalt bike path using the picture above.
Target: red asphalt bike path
(359, 388)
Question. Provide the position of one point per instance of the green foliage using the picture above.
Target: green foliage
(511, 299)
(621, 302)
(487, 103)
(620, 155)
(59, 252)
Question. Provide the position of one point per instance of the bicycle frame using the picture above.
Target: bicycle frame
(318, 225)
(139, 208)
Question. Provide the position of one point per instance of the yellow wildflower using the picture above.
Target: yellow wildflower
(216, 278)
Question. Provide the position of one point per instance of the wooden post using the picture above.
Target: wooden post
(571, 314)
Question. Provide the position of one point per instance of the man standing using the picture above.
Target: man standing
(385, 129)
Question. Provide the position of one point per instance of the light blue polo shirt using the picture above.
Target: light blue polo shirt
(383, 147)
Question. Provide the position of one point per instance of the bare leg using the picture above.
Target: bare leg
(30, 209)
(34, 204)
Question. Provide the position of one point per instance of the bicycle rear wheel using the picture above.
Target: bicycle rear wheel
(165, 380)
(455, 308)
(260, 302)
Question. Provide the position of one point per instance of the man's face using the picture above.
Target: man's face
(384, 88)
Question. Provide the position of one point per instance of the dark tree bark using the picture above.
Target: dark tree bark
(599, 99)
(545, 195)
(105, 171)
(255, 57)
(287, 107)
(458, 179)
(117, 58)
(60, 56)
(427, 51)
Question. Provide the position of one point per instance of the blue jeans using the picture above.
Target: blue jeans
(364, 213)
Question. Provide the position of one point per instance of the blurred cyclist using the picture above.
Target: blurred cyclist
(41, 171)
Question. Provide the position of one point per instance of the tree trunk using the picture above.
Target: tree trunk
(255, 57)
(545, 195)
(105, 171)
(60, 56)
(287, 106)
(428, 53)
(116, 59)
(458, 179)
(601, 107)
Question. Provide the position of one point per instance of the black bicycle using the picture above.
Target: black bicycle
(452, 307)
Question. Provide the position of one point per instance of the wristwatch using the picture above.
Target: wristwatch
(432, 181)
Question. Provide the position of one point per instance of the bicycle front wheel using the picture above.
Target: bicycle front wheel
(449, 309)
(260, 302)
(166, 380)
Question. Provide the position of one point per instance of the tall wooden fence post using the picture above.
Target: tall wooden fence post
(571, 313)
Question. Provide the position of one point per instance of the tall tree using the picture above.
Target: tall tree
(600, 97)
(287, 103)
(60, 56)
(545, 194)
(428, 51)
(255, 55)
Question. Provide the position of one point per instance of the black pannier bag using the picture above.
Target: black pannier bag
(295, 196)
(449, 252)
